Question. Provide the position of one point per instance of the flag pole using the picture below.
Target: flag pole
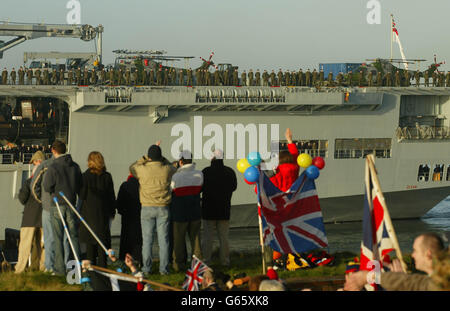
(68, 237)
(387, 217)
(392, 34)
(134, 277)
(261, 240)
(84, 222)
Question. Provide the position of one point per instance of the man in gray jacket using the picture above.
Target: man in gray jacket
(63, 175)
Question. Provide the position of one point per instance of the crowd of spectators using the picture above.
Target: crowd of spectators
(165, 198)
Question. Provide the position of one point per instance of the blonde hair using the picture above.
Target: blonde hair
(96, 163)
(441, 270)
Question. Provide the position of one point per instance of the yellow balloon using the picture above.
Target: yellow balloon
(304, 160)
(242, 165)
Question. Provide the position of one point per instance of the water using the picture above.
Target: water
(347, 236)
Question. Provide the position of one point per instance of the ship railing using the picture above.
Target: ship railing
(26, 157)
(315, 152)
(422, 132)
(7, 158)
(10, 158)
(361, 153)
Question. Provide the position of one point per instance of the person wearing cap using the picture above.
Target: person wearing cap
(185, 209)
(219, 183)
(31, 228)
(154, 173)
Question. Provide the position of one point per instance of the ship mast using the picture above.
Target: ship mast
(392, 34)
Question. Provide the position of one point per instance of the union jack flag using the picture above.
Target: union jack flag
(394, 27)
(194, 275)
(292, 220)
(377, 242)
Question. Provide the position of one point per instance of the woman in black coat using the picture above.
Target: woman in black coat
(99, 204)
(129, 206)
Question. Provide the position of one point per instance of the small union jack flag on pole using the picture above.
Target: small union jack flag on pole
(379, 237)
(292, 220)
(194, 275)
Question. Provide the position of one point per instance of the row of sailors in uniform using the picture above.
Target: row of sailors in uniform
(228, 77)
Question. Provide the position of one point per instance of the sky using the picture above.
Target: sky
(252, 34)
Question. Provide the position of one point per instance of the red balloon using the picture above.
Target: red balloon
(249, 183)
(318, 162)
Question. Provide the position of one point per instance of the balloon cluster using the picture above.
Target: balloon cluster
(248, 166)
(311, 165)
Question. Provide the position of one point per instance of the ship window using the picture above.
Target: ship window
(315, 148)
(355, 148)
(438, 172)
(448, 173)
(424, 172)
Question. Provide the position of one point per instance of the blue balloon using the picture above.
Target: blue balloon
(251, 174)
(312, 172)
(254, 158)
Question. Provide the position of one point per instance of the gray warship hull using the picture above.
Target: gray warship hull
(123, 122)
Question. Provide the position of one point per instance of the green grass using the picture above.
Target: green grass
(251, 264)
(34, 281)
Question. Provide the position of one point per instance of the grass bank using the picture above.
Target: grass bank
(249, 263)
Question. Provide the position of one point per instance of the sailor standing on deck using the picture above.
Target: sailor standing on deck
(321, 77)
(29, 76)
(46, 77)
(273, 79)
(265, 77)
(397, 79)
(339, 79)
(330, 79)
(350, 78)
(250, 78)
(379, 79)
(78, 76)
(189, 77)
(417, 77)
(279, 77)
(407, 78)
(4, 76)
(61, 76)
(308, 78)
(21, 76)
(361, 78)
(38, 77)
(314, 77)
(300, 77)
(426, 77)
(13, 76)
(244, 78)
(257, 78)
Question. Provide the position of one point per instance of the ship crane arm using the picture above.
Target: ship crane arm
(23, 32)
